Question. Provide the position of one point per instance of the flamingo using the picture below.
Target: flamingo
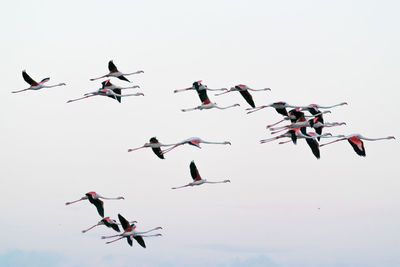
(309, 123)
(197, 180)
(108, 85)
(114, 72)
(280, 107)
(201, 89)
(356, 142)
(110, 223)
(314, 109)
(130, 233)
(244, 91)
(113, 93)
(195, 141)
(310, 138)
(297, 134)
(35, 85)
(209, 105)
(94, 198)
(155, 146)
(295, 115)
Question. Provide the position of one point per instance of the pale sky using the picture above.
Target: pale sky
(322, 52)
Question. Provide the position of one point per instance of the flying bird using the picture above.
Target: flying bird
(35, 85)
(112, 93)
(355, 140)
(201, 90)
(209, 105)
(130, 233)
(244, 91)
(155, 146)
(94, 198)
(114, 72)
(110, 223)
(195, 141)
(280, 107)
(197, 180)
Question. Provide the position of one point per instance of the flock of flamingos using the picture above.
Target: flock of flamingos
(296, 129)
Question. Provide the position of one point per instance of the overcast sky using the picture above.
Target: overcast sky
(283, 207)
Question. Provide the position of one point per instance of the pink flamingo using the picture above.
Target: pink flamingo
(130, 233)
(244, 91)
(114, 72)
(94, 198)
(155, 146)
(197, 180)
(110, 223)
(35, 85)
(356, 142)
(195, 141)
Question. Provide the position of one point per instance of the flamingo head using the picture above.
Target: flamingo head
(140, 94)
(236, 105)
(227, 143)
(391, 137)
(61, 84)
(227, 181)
(343, 103)
(120, 198)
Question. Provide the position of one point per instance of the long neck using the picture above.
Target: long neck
(50, 86)
(156, 228)
(136, 72)
(93, 79)
(216, 143)
(182, 90)
(375, 139)
(136, 94)
(151, 235)
(129, 87)
(340, 104)
(111, 198)
(218, 182)
(231, 106)
(264, 89)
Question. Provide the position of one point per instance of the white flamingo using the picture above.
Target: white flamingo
(195, 141)
(114, 72)
(35, 85)
(130, 233)
(197, 180)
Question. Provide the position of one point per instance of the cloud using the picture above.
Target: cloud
(31, 258)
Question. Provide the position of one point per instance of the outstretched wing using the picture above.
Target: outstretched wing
(28, 79)
(111, 67)
(282, 111)
(122, 77)
(357, 145)
(140, 240)
(45, 80)
(124, 222)
(128, 238)
(203, 96)
(247, 96)
(194, 172)
(313, 144)
(118, 92)
(158, 152)
(111, 224)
